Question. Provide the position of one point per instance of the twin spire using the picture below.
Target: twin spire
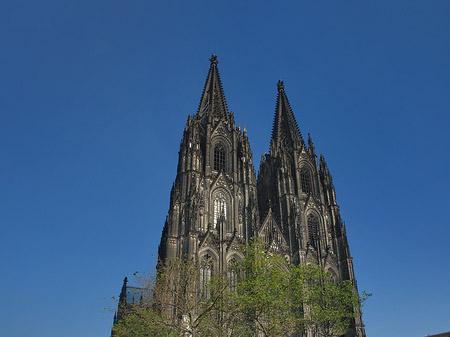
(213, 99)
(285, 130)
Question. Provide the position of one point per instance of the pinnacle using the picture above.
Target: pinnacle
(212, 102)
(285, 130)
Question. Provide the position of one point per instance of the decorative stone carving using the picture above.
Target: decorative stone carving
(270, 207)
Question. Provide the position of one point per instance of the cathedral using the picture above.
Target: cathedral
(218, 203)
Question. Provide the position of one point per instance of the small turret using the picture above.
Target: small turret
(122, 302)
(123, 293)
(327, 181)
(311, 148)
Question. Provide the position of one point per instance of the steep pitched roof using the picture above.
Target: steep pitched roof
(285, 130)
(213, 99)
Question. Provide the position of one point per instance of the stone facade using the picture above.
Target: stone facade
(217, 203)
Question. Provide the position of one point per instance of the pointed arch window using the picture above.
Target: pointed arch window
(219, 158)
(305, 179)
(232, 274)
(313, 227)
(206, 268)
(332, 275)
(220, 207)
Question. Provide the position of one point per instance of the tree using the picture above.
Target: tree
(262, 294)
(174, 304)
(270, 298)
(329, 306)
(280, 299)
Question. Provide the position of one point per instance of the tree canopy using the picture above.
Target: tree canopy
(266, 296)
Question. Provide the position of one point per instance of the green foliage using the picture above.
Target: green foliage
(144, 321)
(330, 306)
(270, 298)
(263, 292)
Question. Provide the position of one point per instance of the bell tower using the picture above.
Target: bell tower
(298, 195)
(213, 203)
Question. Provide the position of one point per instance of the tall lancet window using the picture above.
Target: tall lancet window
(219, 158)
(313, 227)
(220, 207)
(206, 268)
(305, 178)
(232, 274)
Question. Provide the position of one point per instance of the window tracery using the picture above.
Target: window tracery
(313, 225)
(232, 274)
(206, 268)
(220, 207)
(305, 179)
(219, 158)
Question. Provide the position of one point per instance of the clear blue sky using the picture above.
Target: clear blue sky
(94, 96)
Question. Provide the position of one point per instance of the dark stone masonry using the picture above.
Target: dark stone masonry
(217, 203)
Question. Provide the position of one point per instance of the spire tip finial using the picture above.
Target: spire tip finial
(213, 59)
(280, 85)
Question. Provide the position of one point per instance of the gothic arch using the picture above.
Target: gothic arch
(312, 210)
(306, 177)
(333, 273)
(218, 138)
(221, 202)
(235, 255)
(206, 270)
(220, 151)
(233, 273)
(206, 250)
(305, 163)
(313, 224)
(220, 157)
(211, 252)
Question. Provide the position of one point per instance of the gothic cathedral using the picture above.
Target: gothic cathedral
(217, 202)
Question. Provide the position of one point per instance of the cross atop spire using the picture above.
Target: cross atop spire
(213, 59)
(213, 101)
(285, 132)
(280, 85)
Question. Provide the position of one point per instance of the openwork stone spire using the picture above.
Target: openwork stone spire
(285, 130)
(213, 101)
